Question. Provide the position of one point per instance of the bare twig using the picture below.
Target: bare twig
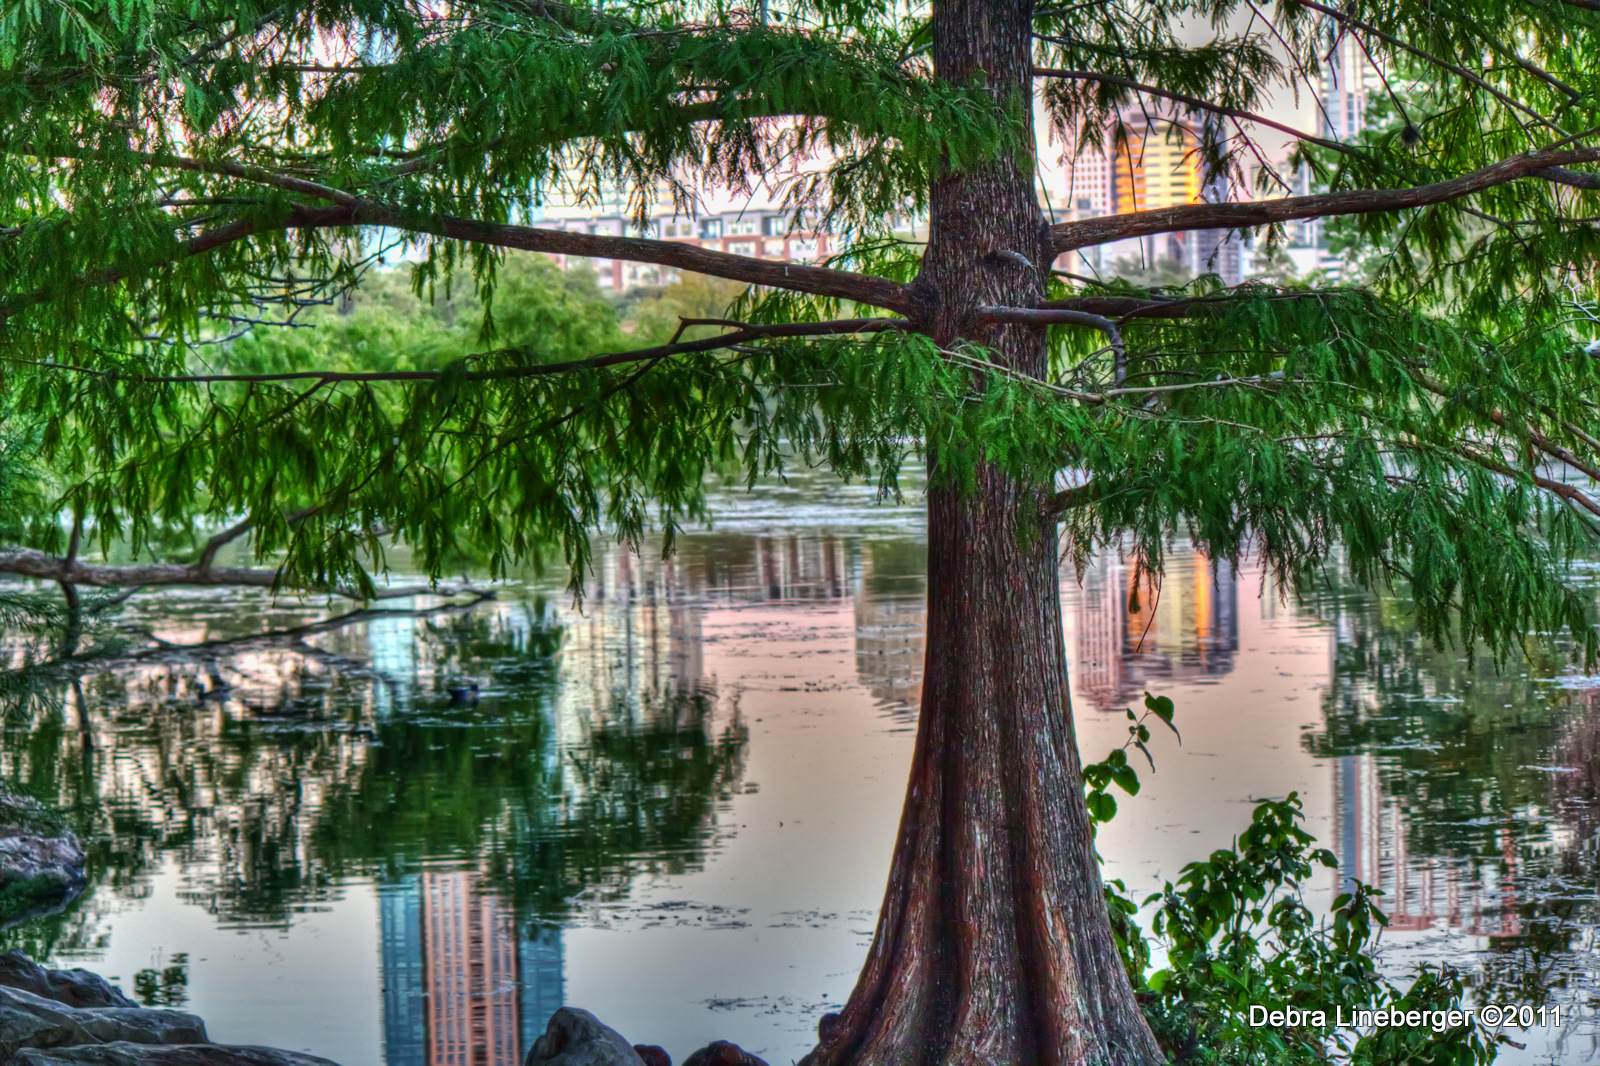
(1196, 102)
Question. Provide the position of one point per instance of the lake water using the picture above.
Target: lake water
(675, 805)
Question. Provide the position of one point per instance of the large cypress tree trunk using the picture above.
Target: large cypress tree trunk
(993, 945)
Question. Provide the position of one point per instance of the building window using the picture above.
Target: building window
(802, 249)
(743, 247)
(774, 226)
(772, 248)
(742, 226)
(711, 229)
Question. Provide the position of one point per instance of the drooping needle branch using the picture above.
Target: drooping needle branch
(742, 335)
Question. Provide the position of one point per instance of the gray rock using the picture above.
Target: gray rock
(577, 1038)
(75, 988)
(126, 1054)
(41, 861)
(30, 1021)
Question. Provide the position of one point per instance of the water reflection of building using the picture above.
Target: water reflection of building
(1133, 633)
(891, 611)
(890, 632)
(660, 635)
(1420, 891)
(461, 987)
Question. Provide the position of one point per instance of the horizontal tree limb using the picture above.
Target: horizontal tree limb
(1046, 316)
(794, 277)
(1551, 448)
(742, 335)
(30, 562)
(797, 277)
(200, 244)
(1085, 233)
(1575, 178)
(1040, 316)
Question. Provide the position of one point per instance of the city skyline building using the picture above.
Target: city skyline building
(758, 228)
(1347, 82)
(1154, 162)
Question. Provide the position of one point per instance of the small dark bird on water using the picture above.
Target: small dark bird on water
(463, 695)
(217, 690)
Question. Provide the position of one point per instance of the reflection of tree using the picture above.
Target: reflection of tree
(344, 752)
(637, 795)
(1458, 741)
(1479, 768)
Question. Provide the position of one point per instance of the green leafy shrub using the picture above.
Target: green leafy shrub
(1237, 934)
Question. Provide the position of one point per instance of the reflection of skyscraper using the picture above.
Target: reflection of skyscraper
(1132, 632)
(460, 987)
(1420, 891)
(469, 965)
(889, 646)
(542, 963)
(405, 1028)
(891, 609)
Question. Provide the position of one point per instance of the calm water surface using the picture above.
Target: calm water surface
(675, 806)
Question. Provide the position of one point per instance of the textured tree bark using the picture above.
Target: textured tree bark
(993, 945)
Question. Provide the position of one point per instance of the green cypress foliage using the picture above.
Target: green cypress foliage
(174, 176)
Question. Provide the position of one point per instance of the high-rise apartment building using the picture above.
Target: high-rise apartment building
(1086, 191)
(1349, 80)
(768, 232)
(1157, 166)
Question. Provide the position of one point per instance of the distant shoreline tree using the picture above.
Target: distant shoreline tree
(175, 171)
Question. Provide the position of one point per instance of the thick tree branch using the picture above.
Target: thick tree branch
(796, 277)
(1553, 449)
(1068, 499)
(209, 553)
(1575, 178)
(1566, 492)
(1068, 236)
(29, 562)
(201, 244)
(742, 335)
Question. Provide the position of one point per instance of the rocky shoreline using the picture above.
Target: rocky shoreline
(61, 1017)
(41, 861)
